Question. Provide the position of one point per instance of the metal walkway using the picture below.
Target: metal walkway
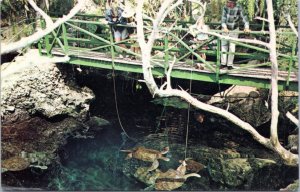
(256, 77)
(89, 42)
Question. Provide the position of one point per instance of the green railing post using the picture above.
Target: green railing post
(40, 46)
(291, 61)
(264, 14)
(65, 38)
(218, 64)
(48, 46)
(47, 41)
(166, 51)
(41, 40)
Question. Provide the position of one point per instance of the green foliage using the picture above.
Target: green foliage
(61, 7)
(261, 7)
(214, 10)
(249, 7)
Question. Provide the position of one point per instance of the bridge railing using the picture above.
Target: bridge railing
(85, 33)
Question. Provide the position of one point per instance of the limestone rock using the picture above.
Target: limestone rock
(293, 142)
(245, 102)
(238, 171)
(41, 89)
(32, 96)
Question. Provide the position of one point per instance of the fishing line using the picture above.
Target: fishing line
(116, 105)
(162, 113)
(188, 115)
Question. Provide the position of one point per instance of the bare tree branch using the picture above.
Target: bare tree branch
(292, 118)
(262, 19)
(251, 41)
(41, 33)
(291, 24)
(169, 87)
(274, 79)
(47, 18)
(159, 18)
(170, 9)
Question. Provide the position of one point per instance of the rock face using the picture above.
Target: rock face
(40, 108)
(245, 102)
(41, 89)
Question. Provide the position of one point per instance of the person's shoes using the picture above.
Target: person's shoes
(223, 67)
(230, 67)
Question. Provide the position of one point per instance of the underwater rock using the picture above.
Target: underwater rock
(238, 171)
(247, 167)
(96, 124)
(37, 139)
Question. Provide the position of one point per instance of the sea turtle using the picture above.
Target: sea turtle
(149, 155)
(193, 166)
(143, 175)
(173, 179)
(15, 164)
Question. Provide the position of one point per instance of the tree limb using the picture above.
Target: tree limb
(274, 78)
(169, 87)
(41, 33)
(159, 18)
(291, 24)
(292, 118)
(262, 19)
(47, 18)
(251, 41)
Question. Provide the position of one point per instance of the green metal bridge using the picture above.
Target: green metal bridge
(88, 41)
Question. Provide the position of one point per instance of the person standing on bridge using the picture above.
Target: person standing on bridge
(113, 15)
(232, 13)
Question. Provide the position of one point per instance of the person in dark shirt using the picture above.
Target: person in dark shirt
(113, 15)
(232, 13)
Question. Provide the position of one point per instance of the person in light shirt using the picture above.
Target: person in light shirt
(232, 13)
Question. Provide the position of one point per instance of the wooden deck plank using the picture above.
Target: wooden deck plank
(258, 73)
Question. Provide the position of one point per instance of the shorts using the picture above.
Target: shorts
(121, 33)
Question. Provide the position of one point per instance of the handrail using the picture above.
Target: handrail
(170, 20)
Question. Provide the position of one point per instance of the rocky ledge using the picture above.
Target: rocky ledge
(41, 107)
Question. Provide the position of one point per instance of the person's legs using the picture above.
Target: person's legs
(230, 55)
(124, 35)
(224, 48)
(232, 50)
(118, 38)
